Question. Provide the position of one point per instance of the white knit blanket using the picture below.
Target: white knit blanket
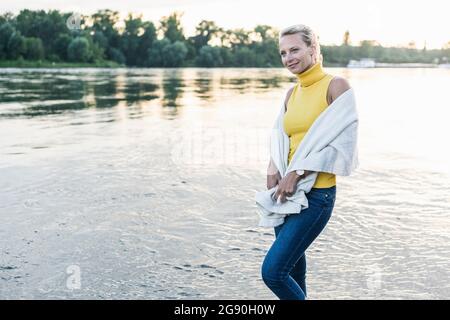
(330, 145)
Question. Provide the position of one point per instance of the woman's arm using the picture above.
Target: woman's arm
(271, 169)
(337, 87)
(273, 175)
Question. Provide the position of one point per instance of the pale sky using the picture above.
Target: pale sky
(391, 22)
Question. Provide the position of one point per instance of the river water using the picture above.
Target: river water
(140, 184)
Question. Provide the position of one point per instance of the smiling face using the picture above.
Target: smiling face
(296, 56)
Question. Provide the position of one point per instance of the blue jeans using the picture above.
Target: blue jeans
(284, 267)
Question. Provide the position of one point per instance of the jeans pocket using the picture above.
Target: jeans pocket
(322, 196)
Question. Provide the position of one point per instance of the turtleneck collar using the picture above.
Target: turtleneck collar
(311, 76)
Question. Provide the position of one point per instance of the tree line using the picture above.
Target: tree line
(103, 36)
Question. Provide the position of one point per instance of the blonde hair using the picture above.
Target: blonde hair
(308, 37)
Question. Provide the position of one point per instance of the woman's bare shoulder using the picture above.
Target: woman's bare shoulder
(288, 95)
(338, 86)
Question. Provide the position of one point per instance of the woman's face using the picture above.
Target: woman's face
(296, 56)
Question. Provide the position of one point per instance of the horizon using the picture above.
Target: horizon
(368, 21)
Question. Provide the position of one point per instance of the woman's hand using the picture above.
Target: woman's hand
(272, 180)
(287, 186)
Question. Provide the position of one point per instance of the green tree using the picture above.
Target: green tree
(7, 17)
(6, 31)
(209, 57)
(166, 54)
(105, 21)
(44, 25)
(34, 49)
(266, 47)
(97, 52)
(367, 48)
(79, 50)
(239, 37)
(44, 35)
(146, 42)
(227, 56)
(244, 57)
(116, 55)
(205, 31)
(16, 46)
(265, 32)
(137, 39)
(61, 45)
(100, 39)
(174, 54)
(224, 36)
(104, 24)
(130, 38)
(171, 27)
(155, 53)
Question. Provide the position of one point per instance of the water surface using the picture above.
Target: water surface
(144, 180)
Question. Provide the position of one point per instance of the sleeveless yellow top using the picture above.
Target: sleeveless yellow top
(307, 101)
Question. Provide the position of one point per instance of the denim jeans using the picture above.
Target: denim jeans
(284, 267)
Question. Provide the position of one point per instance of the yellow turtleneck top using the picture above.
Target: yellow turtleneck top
(307, 101)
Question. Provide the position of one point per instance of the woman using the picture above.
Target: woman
(284, 267)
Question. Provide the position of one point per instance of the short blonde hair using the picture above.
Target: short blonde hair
(308, 37)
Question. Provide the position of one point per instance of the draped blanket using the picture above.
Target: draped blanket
(330, 145)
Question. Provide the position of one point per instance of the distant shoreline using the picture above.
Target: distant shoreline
(5, 64)
(49, 64)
